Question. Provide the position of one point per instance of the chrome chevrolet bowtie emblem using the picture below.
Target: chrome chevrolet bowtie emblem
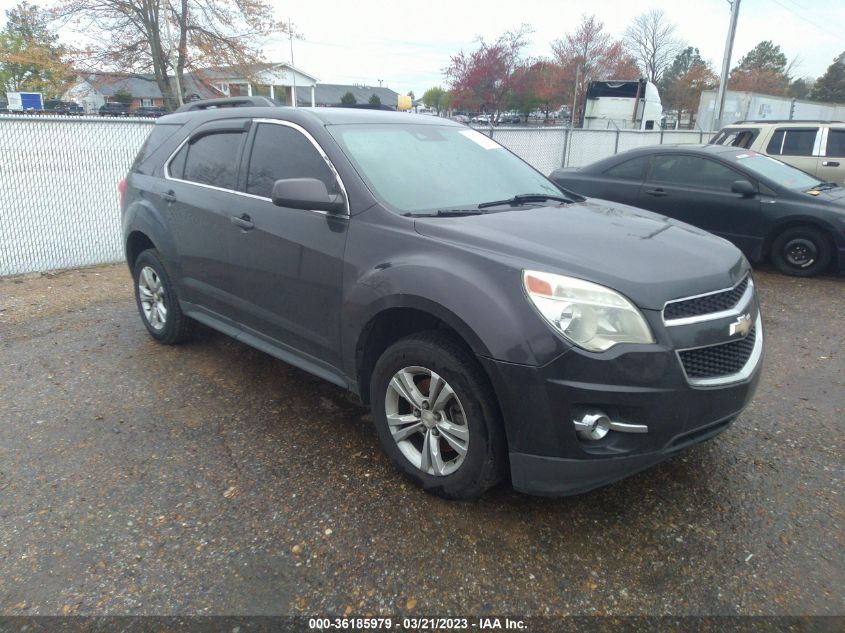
(742, 325)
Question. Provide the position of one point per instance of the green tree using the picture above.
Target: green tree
(800, 88)
(348, 99)
(434, 98)
(763, 69)
(831, 86)
(374, 100)
(122, 96)
(30, 55)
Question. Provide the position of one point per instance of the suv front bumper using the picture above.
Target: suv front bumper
(632, 386)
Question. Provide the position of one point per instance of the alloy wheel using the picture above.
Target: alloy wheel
(151, 295)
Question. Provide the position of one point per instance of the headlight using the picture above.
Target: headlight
(591, 316)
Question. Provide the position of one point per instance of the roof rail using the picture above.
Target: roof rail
(230, 102)
(783, 121)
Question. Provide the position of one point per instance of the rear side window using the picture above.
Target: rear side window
(212, 160)
(159, 134)
(835, 142)
(280, 152)
(629, 170)
(792, 142)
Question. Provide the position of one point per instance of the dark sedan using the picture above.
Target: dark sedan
(770, 210)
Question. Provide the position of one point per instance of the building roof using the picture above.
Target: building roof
(241, 72)
(144, 86)
(331, 94)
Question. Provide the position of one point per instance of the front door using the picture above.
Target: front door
(697, 190)
(288, 263)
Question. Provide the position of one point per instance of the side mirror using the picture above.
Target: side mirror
(306, 193)
(743, 187)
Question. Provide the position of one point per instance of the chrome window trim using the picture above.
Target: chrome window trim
(711, 316)
(296, 127)
(740, 376)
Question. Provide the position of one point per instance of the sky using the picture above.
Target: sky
(407, 44)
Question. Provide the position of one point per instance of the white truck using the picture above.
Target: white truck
(25, 101)
(623, 105)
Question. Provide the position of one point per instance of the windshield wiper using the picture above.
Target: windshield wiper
(525, 198)
(445, 213)
(824, 186)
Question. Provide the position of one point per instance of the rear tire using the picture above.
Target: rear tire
(157, 301)
(445, 433)
(802, 251)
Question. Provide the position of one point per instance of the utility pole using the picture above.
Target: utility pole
(726, 66)
(292, 67)
(574, 98)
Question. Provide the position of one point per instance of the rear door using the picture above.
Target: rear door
(697, 190)
(288, 263)
(200, 181)
(796, 146)
(831, 166)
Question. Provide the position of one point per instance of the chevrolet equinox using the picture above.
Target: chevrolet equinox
(496, 324)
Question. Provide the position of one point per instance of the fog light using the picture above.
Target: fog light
(593, 425)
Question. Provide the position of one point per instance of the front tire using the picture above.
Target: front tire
(157, 301)
(802, 251)
(437, 417)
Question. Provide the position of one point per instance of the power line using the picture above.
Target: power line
(806, 19)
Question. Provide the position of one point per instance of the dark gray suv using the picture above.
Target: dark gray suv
(495, 323)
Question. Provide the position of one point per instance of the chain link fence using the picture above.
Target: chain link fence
(58, 189)
(59, 175)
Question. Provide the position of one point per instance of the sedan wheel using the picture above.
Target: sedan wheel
(801, 251)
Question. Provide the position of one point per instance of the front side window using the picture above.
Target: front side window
(835, 142)
(280, 152)
(212, 160)
(792, 142)
(693, 171)
(421, 168)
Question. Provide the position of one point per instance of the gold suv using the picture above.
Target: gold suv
(817, 147)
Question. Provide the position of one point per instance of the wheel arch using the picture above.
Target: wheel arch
(397, 317)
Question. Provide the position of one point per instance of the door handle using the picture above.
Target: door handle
(243, 221)
(657, 193)
(169, 196)
(830, 163)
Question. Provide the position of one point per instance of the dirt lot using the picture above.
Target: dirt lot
(211, 478)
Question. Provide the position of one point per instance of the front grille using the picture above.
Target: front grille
(718, 360)
(707, 304)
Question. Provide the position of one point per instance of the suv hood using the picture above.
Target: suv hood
(647, 257)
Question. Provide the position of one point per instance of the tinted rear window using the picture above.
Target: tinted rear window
(213, 160)
(158, 135)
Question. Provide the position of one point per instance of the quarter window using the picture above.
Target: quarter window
(280, 152)
(835, 143)
(211, 160)
(791, 142)
(629, 170)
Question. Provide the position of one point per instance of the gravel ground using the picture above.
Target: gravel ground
(210, 478)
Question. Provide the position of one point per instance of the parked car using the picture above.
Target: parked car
(71, 108)
(817, 147)
(150, 111)
(114, 108)
(769, 209)
(509, 118)
(493, 322)
(481, 119)
(461, 118)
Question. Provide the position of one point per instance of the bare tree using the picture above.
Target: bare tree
(651, 40)
(169, 37)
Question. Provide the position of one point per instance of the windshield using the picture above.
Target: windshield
(421, 168)
(781, 173)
